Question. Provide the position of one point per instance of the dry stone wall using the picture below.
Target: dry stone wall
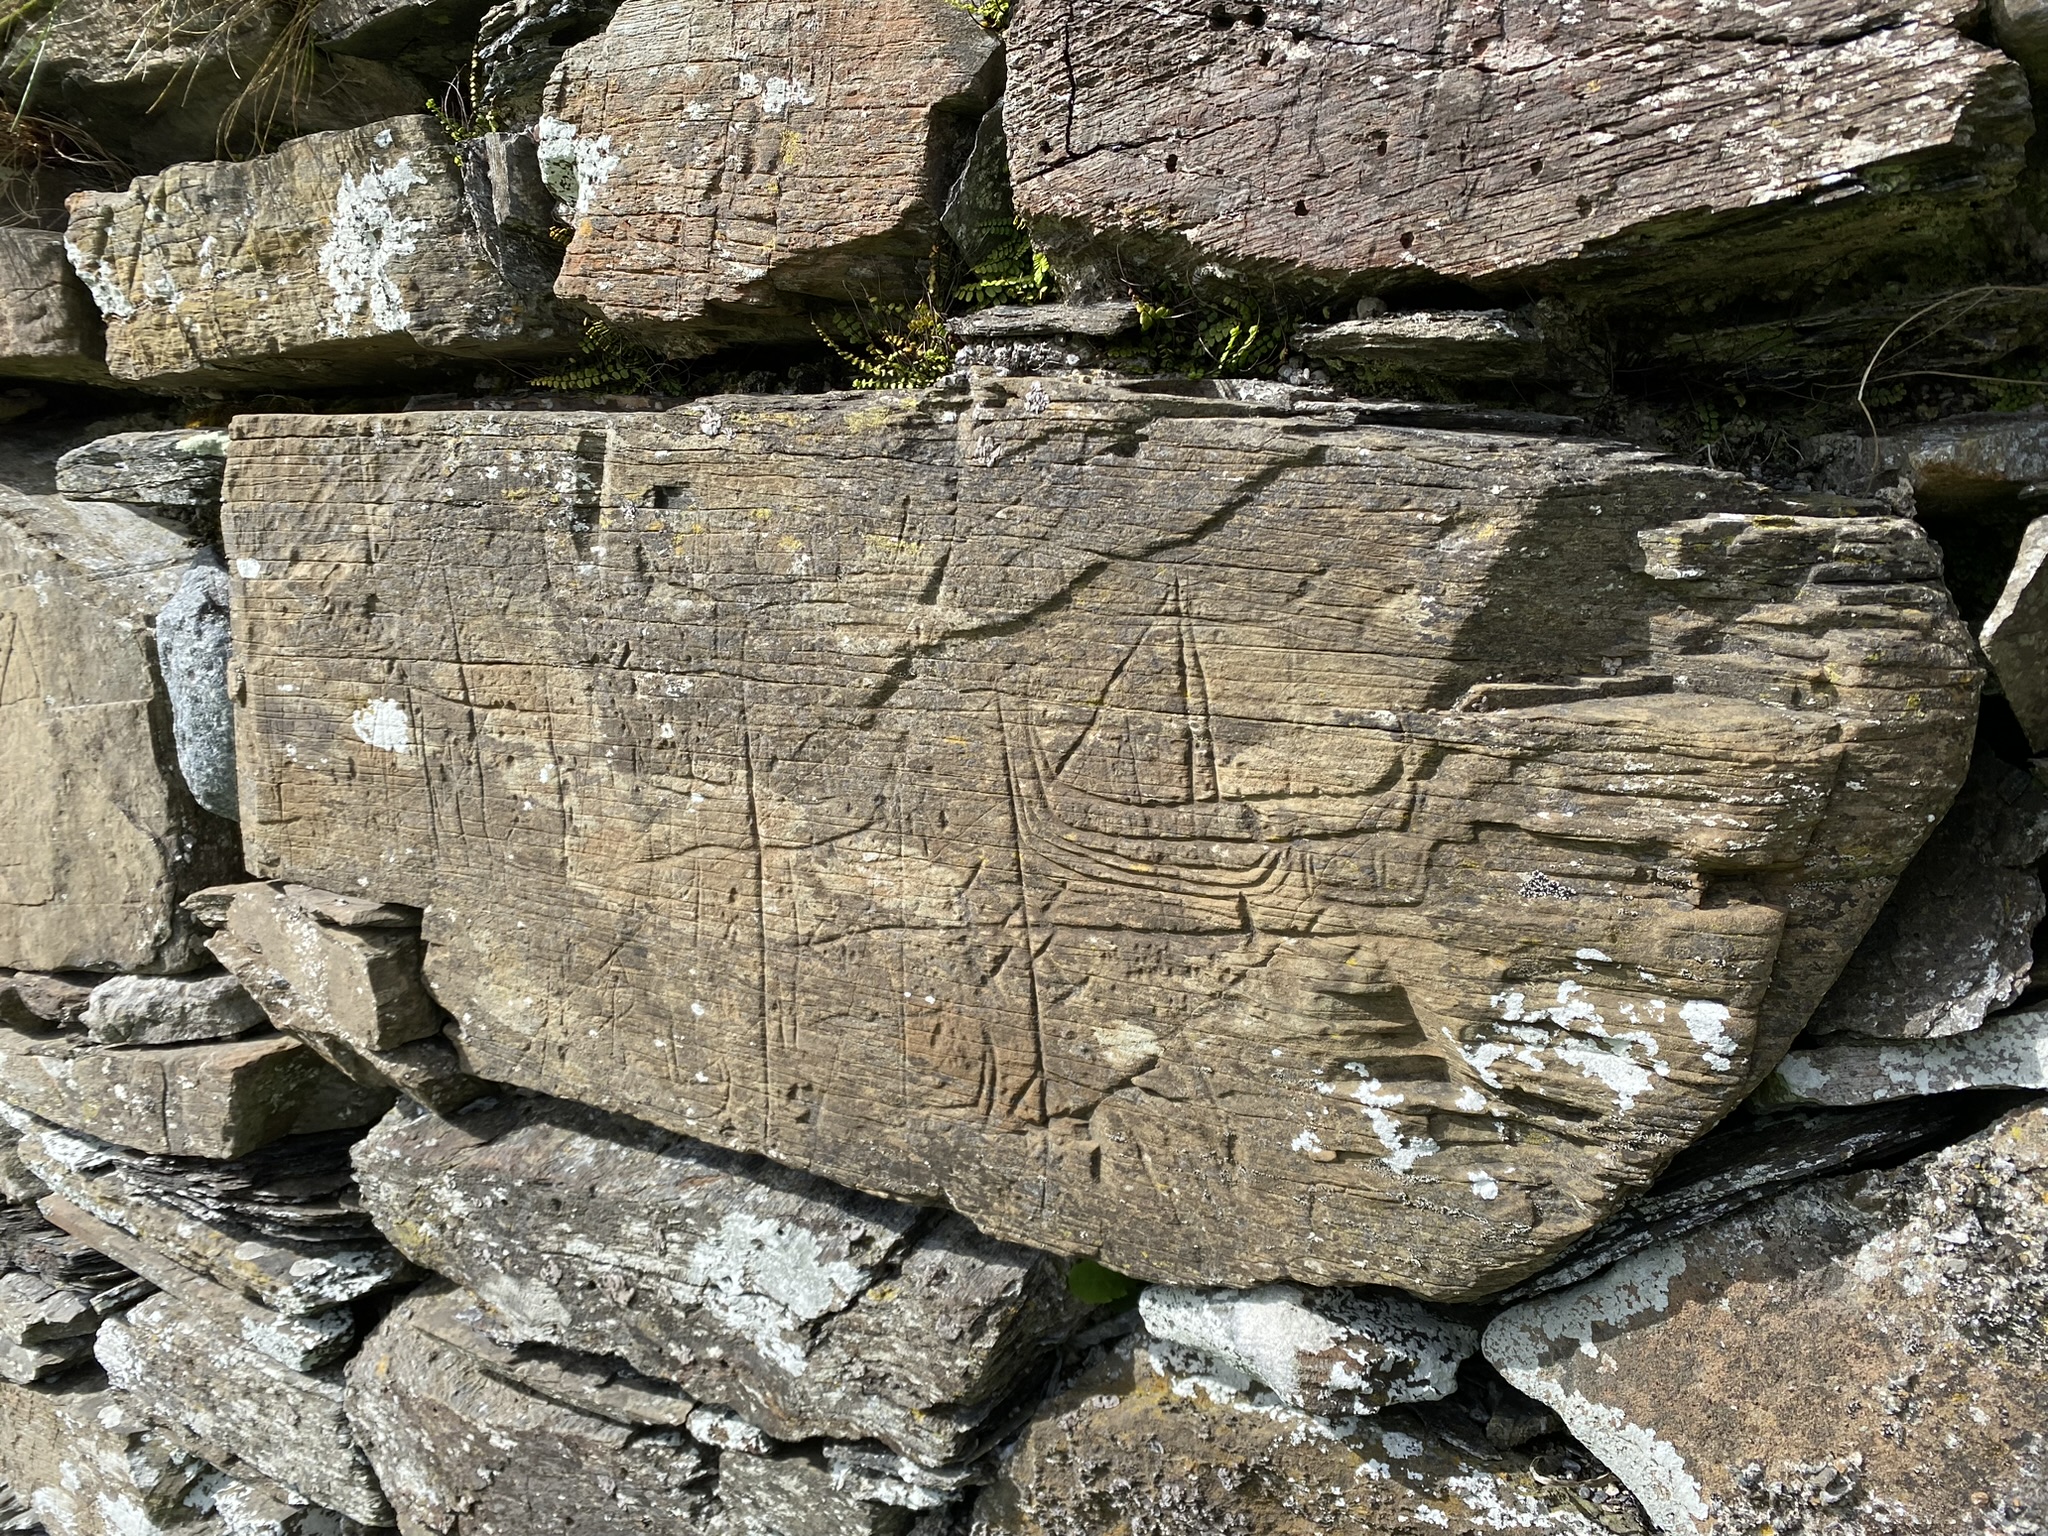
(874, 768)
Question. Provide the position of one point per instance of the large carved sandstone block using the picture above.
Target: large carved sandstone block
(1350, 143)
(727, 163)
(342, 256)
(1239, 844)
(100, 837)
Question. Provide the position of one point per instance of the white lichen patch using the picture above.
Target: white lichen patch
(101, 281)
(1707, 1023)
(383, 724)
(574, 167)
(776, 93)
(368, 235)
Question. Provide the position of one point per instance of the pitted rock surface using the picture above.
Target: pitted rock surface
(1156, 826)
(1348, 145)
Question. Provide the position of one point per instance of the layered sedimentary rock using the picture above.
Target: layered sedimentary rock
(99, 836)
(85, 1464)
(48, 326)
(1160, 1438)
(1349, 147)
(280, 1227)
(1869, 1346)
(230, 1400)
(946, 793)
(809, 1310)
(341, 256)
(175, 474)
(725, 166)
(469, 1442)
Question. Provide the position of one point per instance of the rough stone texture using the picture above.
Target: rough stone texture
(169, 1010)
(151, 83)
(297, 1343)
(358, 984)
(89, 1466)
(280, 1227)
(1333, 1353)
(807, 1309)
(1958, 458)
(2015, 637)
(183, 1371)
(432, 38)
(467, 1444)
(213, 1099)
(1479, 344)
(1361, 143)
(35, 1000)
(947, 794)
(1872, 1344)
(2007, 1052)
(1750, 1159)
(1032, 322)
(1956, 940)
(725, 166)
(1158, 1439)
(798, 1495)
(520, 42)
(48, 326)
(193, 649)
(342, 256)
(174, 474)
(99, 837)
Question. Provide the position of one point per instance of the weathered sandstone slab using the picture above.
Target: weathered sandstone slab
(466, 1450)
(360, 984)
(1354, 145)
(1159, 1438)
(799, 1494)
(807, 1309)
(183, 1371)
(2007, 1052)
(341, 256)
(280, 1227)
(99, 836)
(1956, 940)
(725, 164)
(36, 999)
(2015, 637)
(1332, 1353)
(1873, 1343)
(1157, 826)
(48, 326)
(169, 1010)
(217, 1098)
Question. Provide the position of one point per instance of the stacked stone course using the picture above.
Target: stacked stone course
(867, 768)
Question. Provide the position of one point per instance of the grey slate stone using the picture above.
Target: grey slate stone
(175, 474)
(169, 1010)
(280, 1227)
(469, 1439)
(194, 649)
(2010, 1051)
(2015, 636)
(1956, 940)
(222, 1396)
(1330, 1352)
(808, 1309)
